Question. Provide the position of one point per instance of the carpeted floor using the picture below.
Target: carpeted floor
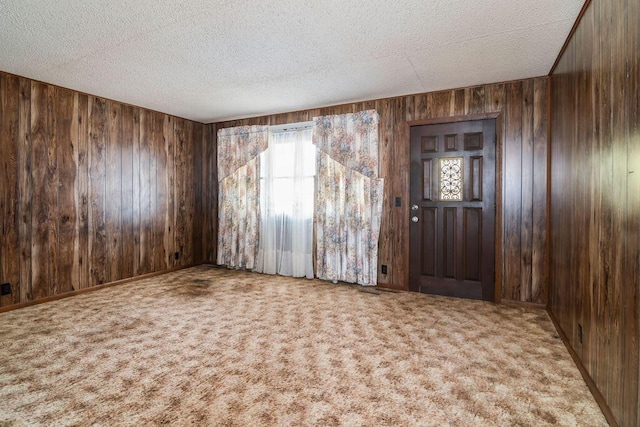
(206, 346)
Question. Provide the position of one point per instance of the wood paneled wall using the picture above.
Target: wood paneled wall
(595, 199)
(522, 121)
(93, 191)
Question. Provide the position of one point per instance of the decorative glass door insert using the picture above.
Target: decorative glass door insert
(451, 178)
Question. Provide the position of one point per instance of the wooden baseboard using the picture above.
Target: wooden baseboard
(585, 374)
(91, 289)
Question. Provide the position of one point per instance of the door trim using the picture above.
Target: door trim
(498, 268)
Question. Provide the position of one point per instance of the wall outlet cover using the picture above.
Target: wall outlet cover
(5, 289)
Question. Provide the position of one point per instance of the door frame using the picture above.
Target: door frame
(498, 232)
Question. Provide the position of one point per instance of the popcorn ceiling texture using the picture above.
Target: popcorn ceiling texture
(214, 61)
(206, 346)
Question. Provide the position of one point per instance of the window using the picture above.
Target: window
(287, 172)
(287, 182)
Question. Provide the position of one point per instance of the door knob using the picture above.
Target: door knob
(414, 219)
(414, 207)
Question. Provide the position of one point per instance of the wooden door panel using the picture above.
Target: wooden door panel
(472, 226)
(429, 220)
(449, 234)
(427, 179)
(453, 209)
(475, 178)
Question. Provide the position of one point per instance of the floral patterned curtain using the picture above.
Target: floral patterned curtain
(348, 197)
(238, 194)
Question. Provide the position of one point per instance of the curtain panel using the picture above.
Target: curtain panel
(239, 194)
(348, 207)
(286, 205)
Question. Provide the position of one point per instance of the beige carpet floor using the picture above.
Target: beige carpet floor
(207, 346)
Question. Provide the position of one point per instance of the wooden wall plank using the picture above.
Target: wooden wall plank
(82, 195)
(25, 203)
(98, 134)
(539, 197)
(154, 223)
(67, 142)
(146, 188)
(586, 306)
(180, 189)
(113, 193)
(459, 108)
(52, 184)
(494, 97)
(127, 193)
(189, 214)
(198, 189)
(386, 138)
(4, 182)
(137, 194)
(9, 188)
(604, 253)
(169, 232)
(212, 199)
(512, 200)
(594, 212)
(160, 251)
(476, 100)
(207, 183)
(39, 213)
(631, 296)
(526, 210)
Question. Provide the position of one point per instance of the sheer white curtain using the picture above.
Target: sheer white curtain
(287, 170)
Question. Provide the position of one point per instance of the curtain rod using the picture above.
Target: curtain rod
(291, 126)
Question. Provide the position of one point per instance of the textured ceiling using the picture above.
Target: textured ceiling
(216, 60)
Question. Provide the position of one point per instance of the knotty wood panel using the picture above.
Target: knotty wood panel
(40, 199)
(87, 187)
(595, 213)
(82, 281)
(67, 166)
(524, 265)
(180, 207)
(127, 193)
(9, 164)
(98, 135)
(113, 193)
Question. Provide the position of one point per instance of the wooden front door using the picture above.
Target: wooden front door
(452, 209)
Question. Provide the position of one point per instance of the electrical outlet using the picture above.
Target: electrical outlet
(383, 269)
(580, 333)
(176, 256)
(5, 289)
